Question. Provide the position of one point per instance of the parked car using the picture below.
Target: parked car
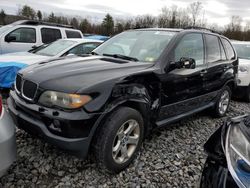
(24, 35)
(97, 37)
(227, 164)
(7, 140)
(243, 82)
(11, 63)
(136, 81)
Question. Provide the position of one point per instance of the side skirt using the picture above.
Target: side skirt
(181, 116)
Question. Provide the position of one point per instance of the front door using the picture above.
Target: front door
(183, 87)
(24, 39)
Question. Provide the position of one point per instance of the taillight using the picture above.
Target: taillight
(1, 105)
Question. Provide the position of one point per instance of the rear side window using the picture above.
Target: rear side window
(222, 52)
(213, 48)
(73, 34)
(229, 49)
(25, 35)
(50, 35)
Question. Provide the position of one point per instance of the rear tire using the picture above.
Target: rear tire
(223, 102)
(118, 140)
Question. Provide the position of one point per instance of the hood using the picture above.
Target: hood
(72, 74)
(244, 62)
(23, 57)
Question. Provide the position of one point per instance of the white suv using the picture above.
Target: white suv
(243, 81)
(26, 34)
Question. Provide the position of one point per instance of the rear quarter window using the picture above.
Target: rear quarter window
(229, 49)
(73, 34)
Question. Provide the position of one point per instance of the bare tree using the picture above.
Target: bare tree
(173, 17)
(2, 17)
(195, 10)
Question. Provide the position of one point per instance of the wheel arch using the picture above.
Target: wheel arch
(231, 84)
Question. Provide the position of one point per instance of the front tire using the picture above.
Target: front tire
(223, 101)
(119, 139)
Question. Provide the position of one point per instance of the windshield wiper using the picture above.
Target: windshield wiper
(122, 57)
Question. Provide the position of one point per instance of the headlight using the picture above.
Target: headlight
(243, 69)
(238, 156)
(63, 100)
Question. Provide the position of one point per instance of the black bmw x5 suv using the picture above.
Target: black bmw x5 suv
(136, 81)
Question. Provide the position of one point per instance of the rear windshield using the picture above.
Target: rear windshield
(55, 47)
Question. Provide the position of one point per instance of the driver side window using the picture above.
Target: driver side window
(190, 46)
(24, 35)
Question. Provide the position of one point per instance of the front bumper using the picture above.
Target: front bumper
(7, 142)
(72, 132)
(243, 79)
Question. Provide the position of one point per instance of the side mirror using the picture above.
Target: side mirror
(9, 38)
(188, 63)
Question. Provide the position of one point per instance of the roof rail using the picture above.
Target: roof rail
(202, 28)
(35, 22)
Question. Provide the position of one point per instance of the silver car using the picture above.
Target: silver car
(7, 140)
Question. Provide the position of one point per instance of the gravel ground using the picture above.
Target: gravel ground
(171, 157)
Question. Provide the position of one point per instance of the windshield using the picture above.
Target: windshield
(141, 45)
(55, 48)
(243, 50)
(4, 28)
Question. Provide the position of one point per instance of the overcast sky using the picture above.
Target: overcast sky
(216, 11)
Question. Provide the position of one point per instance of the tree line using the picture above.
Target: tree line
(169, 17)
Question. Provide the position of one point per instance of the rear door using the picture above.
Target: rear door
(218, 65)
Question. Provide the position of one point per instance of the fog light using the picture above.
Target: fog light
(56, 126)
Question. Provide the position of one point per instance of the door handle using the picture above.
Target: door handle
(202, 72)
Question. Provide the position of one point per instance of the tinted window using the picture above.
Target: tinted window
(229, 49)
(222, 52)
(73, 34)
(191, 46)
(25, 35)
(213, 48)
(50, 35)
(83, 48)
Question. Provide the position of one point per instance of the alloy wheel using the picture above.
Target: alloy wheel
(224, 102)
(126, 141)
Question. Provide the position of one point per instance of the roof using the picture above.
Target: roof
(35, 22)
(82, 40)
(198, 29)
(160, 29)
